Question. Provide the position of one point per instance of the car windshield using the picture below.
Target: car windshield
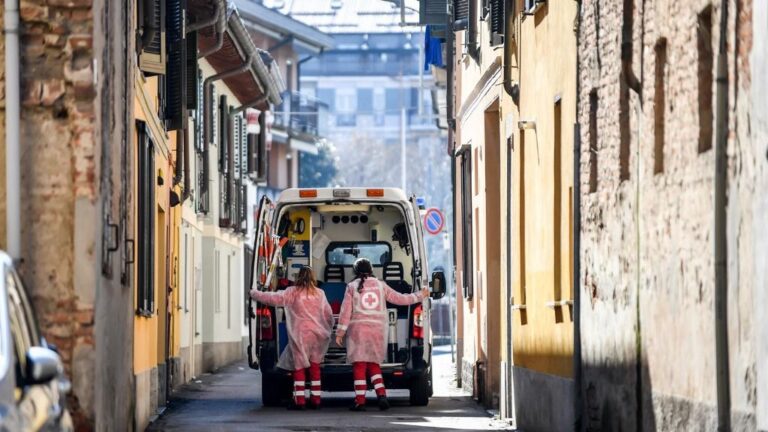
(346, 253)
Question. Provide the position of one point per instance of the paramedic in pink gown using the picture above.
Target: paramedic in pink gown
(309, 322)
(364, 321)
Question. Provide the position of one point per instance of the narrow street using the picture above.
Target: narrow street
(230, 399)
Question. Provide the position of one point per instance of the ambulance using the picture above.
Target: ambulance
(328, 229)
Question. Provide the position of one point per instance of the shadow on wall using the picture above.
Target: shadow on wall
(618, 398)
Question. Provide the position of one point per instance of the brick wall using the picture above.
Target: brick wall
(60, 183)
(647, 241)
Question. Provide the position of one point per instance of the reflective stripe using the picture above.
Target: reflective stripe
(315, 383)
(378, 386)
(298, 393)
(359, 392)
(375, 377)
(341, 327)
(298, 383)
(359, 382)
(316, 393)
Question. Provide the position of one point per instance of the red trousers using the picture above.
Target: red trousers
(300, 381)
(359, 370)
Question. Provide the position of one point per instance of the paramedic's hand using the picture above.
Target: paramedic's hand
(340, 339)
(424, 293)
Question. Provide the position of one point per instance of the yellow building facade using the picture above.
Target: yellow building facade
(515, 111)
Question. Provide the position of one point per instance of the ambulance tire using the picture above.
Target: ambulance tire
(431, 384)
(271, 390)
(420, 389)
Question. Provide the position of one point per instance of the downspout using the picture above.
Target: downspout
(298, 70)
(577, 363)
(12, 121)
(218, 9)
(281, 43)
(208, 82)
(472, 47)
(186, 192)
(220, 27)
(509, 88)
(450, 40)
(721, 252)
(250, 104)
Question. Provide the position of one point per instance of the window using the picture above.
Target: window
(466, 228)
(520, 297)
(593, 101)
(146, 222)
(216, 281)
(659, 106)
(176, 68)
(364, 100)
(706, 66)
(151, 41)
(460, 10)
(497, 21)
(557, 204)
(393, 101)
(532, 6)
(225, 156)
(328, 97)
(345, 254)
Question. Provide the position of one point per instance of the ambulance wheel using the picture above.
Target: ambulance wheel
(431, 384)
(271, 394)
(420, 391)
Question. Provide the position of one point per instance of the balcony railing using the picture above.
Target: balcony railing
(301, 115)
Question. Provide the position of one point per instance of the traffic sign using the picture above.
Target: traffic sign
(434, 221)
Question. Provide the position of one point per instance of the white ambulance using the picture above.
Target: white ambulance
(329, 229)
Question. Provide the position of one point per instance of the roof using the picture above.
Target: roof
(354, 194)
(350, 16)
(262, 79)
(274, 20)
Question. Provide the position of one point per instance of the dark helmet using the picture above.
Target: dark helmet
(362, 266)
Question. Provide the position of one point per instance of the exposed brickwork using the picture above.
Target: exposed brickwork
(647, 242)
(57, 137)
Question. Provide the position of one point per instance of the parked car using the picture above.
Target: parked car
(329, 229)
(33, 387)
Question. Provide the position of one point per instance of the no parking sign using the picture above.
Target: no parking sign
(434, 221)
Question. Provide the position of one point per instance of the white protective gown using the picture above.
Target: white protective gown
(309, 322)
(364, 318)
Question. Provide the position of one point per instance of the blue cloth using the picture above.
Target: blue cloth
(433, 50)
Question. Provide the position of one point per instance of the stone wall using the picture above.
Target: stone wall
(648, 325)
(59, 162)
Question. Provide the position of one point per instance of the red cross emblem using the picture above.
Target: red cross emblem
(370, 300)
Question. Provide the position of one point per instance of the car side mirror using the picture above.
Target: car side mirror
(438, 285)
(43, 365)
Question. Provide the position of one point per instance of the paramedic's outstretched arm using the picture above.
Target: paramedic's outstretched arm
(345, 315)
(277, 298)
(395, 297)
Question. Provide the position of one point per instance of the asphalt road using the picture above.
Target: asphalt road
(230, 400)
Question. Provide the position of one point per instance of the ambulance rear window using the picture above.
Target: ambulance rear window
(345, 253)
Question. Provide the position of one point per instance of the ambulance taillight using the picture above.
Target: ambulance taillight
(418, 322)
(264, 320)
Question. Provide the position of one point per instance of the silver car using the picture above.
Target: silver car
(32, 383)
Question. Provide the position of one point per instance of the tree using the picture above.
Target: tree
(316, 171)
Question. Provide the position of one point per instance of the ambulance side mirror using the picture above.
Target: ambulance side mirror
(438, 285)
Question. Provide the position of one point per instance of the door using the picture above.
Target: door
(421, 269)
(258, 264)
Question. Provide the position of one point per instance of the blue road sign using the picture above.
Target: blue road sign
(434, 221)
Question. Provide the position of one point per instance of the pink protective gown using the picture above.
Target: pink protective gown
(364, 318)
(309, 322)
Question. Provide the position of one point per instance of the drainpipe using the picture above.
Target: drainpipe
(208, 82)
(12, 120)
(721, 252)
(577, 363)
(298, 70)
(450, 41)
(219, 7)
(220, 27)
(250, 104)
(472, 47)
(186, 191)
(284, 41)
(509, 88)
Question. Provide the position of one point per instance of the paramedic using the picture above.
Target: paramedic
(364, 321)
(309, 322)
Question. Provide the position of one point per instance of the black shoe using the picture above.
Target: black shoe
(383, 403)
(357, 407)
(293, 406)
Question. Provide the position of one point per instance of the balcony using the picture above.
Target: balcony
(301, 116)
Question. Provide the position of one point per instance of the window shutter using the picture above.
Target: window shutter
(243, 146)
(497, 21)
(176, 68)
(199, 117)
(433, 11)
(152, 34)
(460, 10)
(192, 73)
(223, 133)
(211, 113)
(236, 137)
